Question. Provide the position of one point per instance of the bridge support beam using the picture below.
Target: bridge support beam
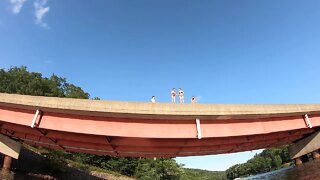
(9, 147)
(310, 144)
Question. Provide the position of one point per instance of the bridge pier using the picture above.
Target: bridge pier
(10, 148)
(7, 161)
(299, 151)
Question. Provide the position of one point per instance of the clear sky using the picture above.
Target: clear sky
(220, 51)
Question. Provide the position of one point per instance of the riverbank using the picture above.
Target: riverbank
(41, 164)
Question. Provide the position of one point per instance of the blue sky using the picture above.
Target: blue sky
(220, 51)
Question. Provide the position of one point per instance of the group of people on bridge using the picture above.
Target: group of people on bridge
(173, 97)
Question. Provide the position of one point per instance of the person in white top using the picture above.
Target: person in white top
(153, 99)
(181, 96)
(173, 95)
(193, 100)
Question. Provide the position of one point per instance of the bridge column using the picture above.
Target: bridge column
(7, 162)
(310, 144)
(10, 148)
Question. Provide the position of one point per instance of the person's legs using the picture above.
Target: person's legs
(182, 97)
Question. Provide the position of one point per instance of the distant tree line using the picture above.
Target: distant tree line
(268, 160)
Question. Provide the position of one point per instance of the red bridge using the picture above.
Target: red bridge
(146, 129)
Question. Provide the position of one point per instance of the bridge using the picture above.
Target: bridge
(139, 129)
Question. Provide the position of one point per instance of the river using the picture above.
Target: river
(306, 171)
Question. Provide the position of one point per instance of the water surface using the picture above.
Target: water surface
(306, 171)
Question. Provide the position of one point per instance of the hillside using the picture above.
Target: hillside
(195, 174)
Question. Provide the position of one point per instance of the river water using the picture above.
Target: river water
(306, 171)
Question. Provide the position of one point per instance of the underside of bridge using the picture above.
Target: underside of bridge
(146, 129)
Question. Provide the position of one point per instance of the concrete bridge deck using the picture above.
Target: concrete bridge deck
(146, 129)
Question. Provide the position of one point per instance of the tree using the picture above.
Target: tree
(159, 169)
(19, 80)
(267, 160)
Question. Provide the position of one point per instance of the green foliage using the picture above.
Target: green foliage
(19, 80)
(268, 160)
(233, 172)
(195, 174)
(161, 168)
(144, 168)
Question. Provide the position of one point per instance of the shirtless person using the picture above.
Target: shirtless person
(193, 100)
(181, 97)
(173, 95)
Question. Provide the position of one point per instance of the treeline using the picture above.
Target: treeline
(196, 174)
(268, 160)
(19, 80)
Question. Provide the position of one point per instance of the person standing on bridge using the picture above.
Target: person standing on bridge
(181, 95)
(173, 95)
(153, 99)
(193, 100)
